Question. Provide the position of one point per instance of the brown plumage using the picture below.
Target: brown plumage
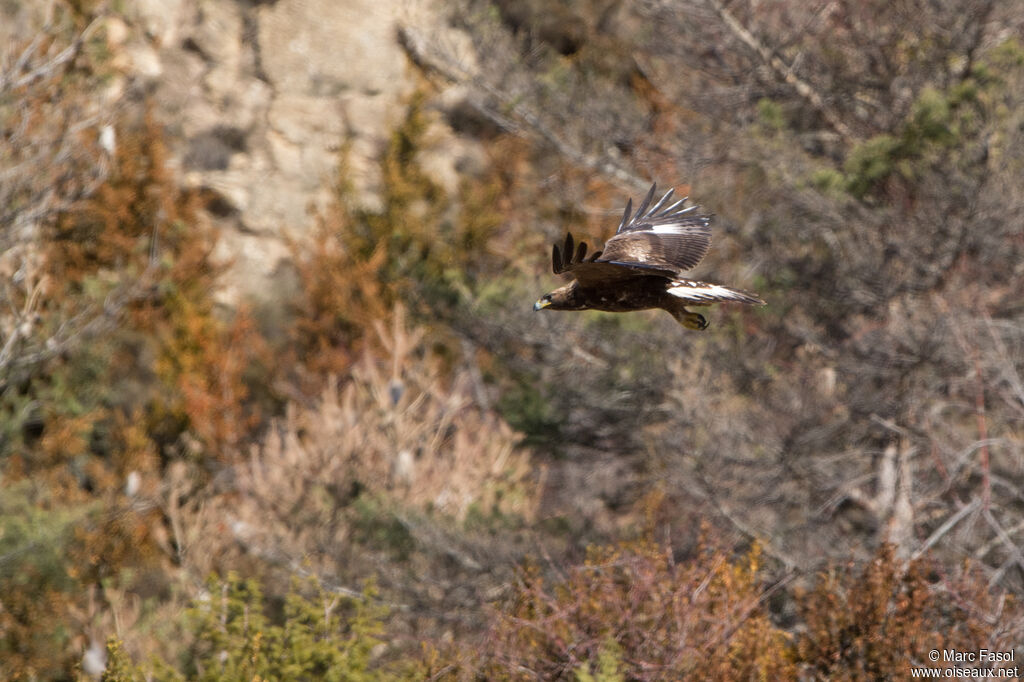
(641, 265)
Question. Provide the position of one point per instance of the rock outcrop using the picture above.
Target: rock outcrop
(260, 98)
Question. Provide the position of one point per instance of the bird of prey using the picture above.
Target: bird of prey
(641, 266)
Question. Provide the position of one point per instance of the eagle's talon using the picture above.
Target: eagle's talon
(694, 321)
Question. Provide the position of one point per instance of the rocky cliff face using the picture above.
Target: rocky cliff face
(261, 97)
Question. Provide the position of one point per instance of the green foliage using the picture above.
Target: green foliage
(323, 635)
(871, 162)
(36, 536)
(377, 528)
(530, 411)
(120, 667)
(412, 227)
(609, 665)
(942, 127)
(828, 181)
(430, 249)
(770, 114)
(59, 561)
(1006, 56)
(931, 118)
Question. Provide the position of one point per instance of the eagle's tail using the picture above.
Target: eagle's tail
(702, 293)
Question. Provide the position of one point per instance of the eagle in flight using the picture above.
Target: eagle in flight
(641, 266)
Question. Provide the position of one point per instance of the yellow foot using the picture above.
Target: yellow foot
(690, 320)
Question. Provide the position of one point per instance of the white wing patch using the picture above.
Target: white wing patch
(702, 292)
(677, 227)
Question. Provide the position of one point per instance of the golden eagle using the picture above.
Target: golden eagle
(641, 265)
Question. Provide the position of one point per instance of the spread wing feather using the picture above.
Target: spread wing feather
(572, 259)
(660, 240)
(665, 236)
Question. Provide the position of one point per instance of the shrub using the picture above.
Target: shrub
(361, 262)
(36, 586)
(632, 610)
(319, 635)
(875, 622)
(421, 247)
(143, 234)
(394, 429)
(132, 330)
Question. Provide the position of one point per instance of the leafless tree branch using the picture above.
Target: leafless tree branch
(785, 72)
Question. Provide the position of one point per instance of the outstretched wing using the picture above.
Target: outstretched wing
(572, 259)
(661, 237)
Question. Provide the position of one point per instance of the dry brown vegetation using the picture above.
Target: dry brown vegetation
(418, 477)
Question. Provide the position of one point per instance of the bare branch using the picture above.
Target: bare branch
(946, 526)
(1008, 543)
(784, 71)
(11, 80)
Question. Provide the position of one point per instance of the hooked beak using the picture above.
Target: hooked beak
(541, 304)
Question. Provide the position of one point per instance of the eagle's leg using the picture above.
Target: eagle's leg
(688, 319)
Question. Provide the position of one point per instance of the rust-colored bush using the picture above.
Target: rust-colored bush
(341, 295)
(360, 262)
(133, 262)
(702, 618)
(421, 248)
(875, 622)
(632, 612)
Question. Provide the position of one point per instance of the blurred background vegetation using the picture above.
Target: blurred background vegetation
(392, 468)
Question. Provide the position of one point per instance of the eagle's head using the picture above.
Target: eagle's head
(563, 298)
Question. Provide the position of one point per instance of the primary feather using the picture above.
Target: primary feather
(670, 237)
